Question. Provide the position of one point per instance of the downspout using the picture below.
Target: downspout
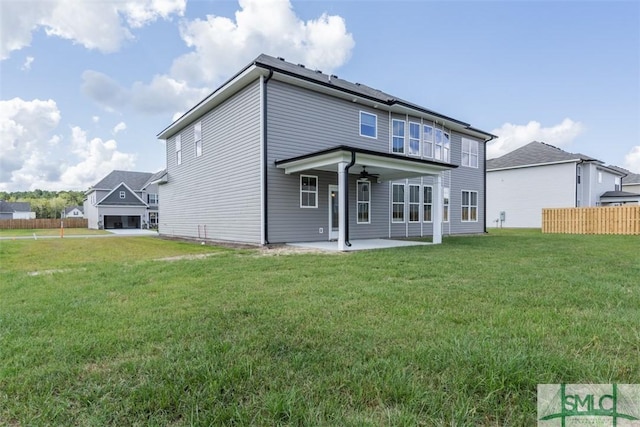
(484, 207)
(265, 187)
(346, 198)
(575, 202)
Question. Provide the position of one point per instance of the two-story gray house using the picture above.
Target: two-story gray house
(123, 199)
(282, 153)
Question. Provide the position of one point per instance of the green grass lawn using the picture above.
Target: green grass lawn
(455, 334)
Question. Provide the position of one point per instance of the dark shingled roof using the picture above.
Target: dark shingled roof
(619, 194)
(630, 178)
(535, 153)
(10, 207)
(70, 208)
(134, 180)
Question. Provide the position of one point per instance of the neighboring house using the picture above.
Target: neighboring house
(16, 210)
(282, 153)
(123, 199)
(538, 175)
(73, 212)
(630, 180)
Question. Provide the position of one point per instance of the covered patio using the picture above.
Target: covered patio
(368, 164)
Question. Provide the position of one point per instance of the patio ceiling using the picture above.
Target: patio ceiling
(387, 166)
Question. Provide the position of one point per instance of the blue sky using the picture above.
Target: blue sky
(85, 89)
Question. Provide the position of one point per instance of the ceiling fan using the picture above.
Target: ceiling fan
(366, 175)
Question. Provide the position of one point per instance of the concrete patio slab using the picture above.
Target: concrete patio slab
(359, 245)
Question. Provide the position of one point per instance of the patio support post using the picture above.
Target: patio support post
(437, 209)
(342, 181)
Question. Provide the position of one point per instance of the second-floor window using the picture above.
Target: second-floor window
(123, 195)
(178, 149)
(469, 153)
(441, 146)
(414, 139)
(197, 137)
(152, 199)
(398, 136)
(427, 141)
(368, 125)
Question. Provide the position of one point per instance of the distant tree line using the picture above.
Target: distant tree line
(45, 203)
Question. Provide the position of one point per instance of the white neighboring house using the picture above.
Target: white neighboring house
(538, 175)
(630, 180)
(16, 210)
(73, 212)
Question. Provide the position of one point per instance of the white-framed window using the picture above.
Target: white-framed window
(438, 144)
(308, 191)
(427, 141)
(397, 203)
(197, 137)
(442, 145)
(469, 153)
(398, 136)
(427, 203)
(414, 139)
(414, 203)
(617, 184)
(368, 125)
(363, 202)
(469, 206)
(446, 147)
(152, 199)
(178, 149)
(123, 195)
(445, 204)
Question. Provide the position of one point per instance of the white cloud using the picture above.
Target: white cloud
(119, 127)
(632, 159)
(32, 147)
(512, 136)
(98, 158)
(223, 46)
(27, 63)
(93, 24)
(95, 119)
(165, 94)
(25, 128)
(104, 90)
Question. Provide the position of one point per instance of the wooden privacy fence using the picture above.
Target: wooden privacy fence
(14, 224)
(599, 220)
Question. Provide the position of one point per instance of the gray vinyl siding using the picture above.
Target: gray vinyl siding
(300, 122)
(221, 189)
(468, 179)
(130, 198)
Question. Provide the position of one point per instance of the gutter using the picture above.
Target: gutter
(265, 187)
(346, 198)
